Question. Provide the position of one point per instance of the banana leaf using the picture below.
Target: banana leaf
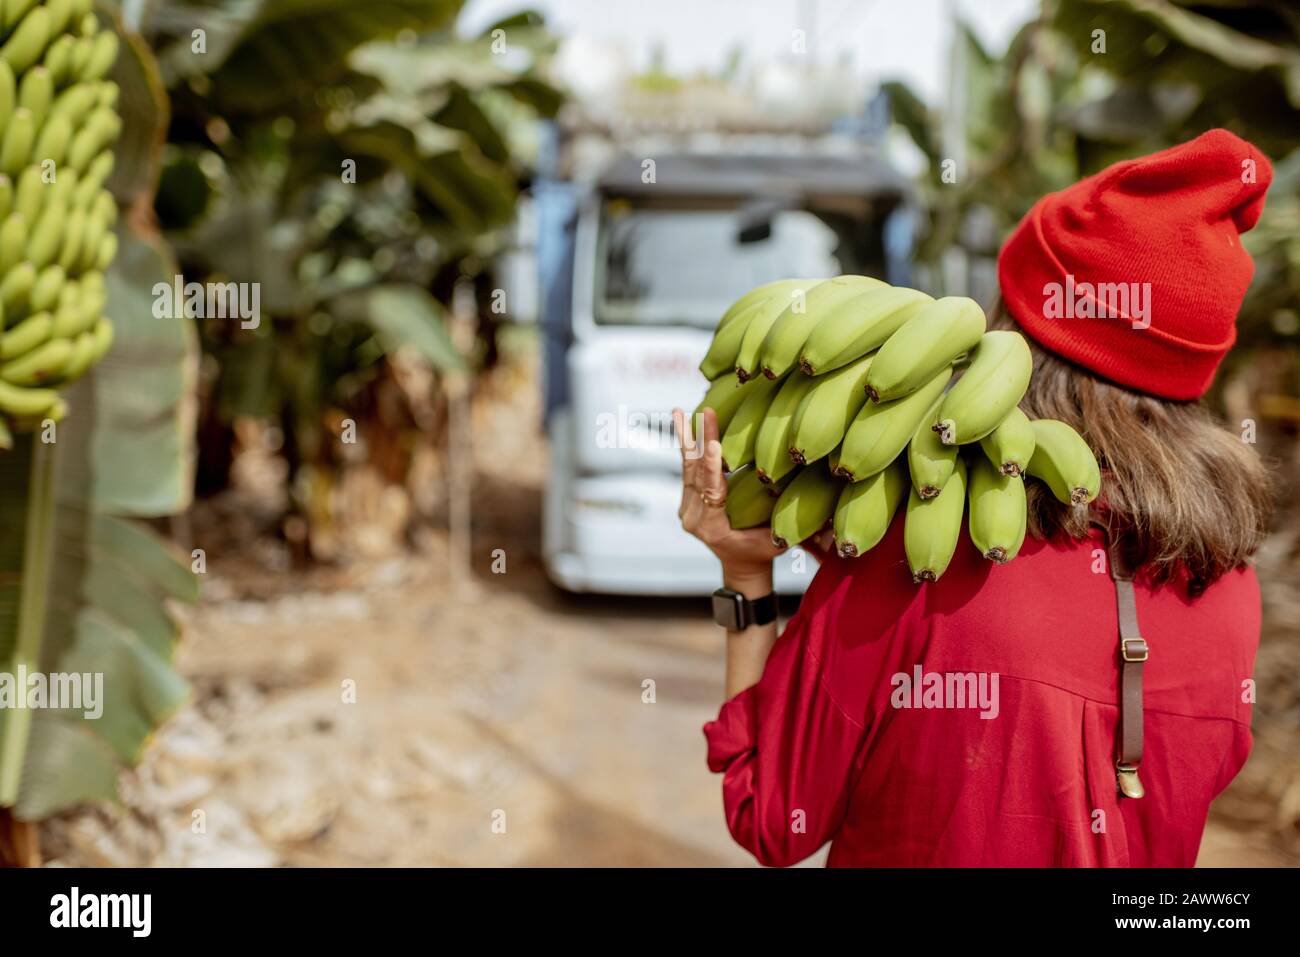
(262, 56)
(409, 316)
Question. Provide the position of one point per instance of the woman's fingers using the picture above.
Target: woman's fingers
(711, 482)
(710, 430)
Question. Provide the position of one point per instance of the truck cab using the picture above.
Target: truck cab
(648, 257)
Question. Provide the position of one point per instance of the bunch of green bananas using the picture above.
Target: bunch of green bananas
(58, 123)
(837, 402)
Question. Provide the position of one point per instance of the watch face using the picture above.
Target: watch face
(726, 609)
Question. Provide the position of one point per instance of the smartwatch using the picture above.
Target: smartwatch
(734, 612)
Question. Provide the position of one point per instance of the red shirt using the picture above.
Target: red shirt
(817, 751)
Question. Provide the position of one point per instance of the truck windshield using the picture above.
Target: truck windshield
(686, 266)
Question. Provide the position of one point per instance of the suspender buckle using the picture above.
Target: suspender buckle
(1133, 649)
(1126, 776)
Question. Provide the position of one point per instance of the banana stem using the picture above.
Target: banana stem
(38, 540)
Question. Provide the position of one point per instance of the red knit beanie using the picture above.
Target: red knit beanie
(1137, 273)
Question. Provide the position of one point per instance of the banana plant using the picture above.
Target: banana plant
(85, 586)
(355, 167)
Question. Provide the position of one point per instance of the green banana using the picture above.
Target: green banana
(824, 415)
(929, 461)
(60, 14)
(833, 461)
(855, 328)
(29, 194)
(772, 446)
(785, 340)
(26, 336)
(102, 56)
(42, 364)
(101, 129)
(882, 430)
(109, 93)
(866, 509)
(88, 25)
(69, 253)
(13, 241)
(932, 527)
(16, 286)
(992, 385)
(805, 506)
(1011, 445)
(47, 234)
(46, 289)
(6, 436)
(74, 103)
(58, 59)
(749, 501)
(19, 136)
(724, 395)
(18, 401)
(96, 228)
(14, 11)
(78, 59)
(25, 46)
(52, 143)
(751, 348)
(742, 431)
(721, 356)
(67, 321)
(6, 195)
(83, 355)
(63, 187)
(997, 516)
(1063, 460)
(103, 338)
(36, 93)
(8, 93)
(104, 206)
(91, 299)
(928, 342)
(99, 170)
(108, 252)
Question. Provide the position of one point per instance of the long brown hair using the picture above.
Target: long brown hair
(1182, 494)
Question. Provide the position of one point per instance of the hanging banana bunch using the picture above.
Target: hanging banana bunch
(837, 404)
(58, 123)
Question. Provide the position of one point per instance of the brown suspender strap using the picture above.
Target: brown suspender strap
(1132, 654)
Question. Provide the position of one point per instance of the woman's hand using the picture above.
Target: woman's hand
(746, 554)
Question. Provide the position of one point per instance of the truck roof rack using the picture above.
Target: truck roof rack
(744, 175)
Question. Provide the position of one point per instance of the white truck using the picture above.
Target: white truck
(637, 267)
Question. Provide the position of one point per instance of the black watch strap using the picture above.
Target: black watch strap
(734, 612)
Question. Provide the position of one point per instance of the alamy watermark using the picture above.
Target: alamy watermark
(625, 428)
(61, 690)
(212, 300)
(1103, 300)
(946, 690)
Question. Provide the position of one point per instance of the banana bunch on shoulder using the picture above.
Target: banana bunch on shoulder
(58, 124)
(840, 400)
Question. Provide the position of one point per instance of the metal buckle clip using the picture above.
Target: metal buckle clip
(1126, 776)
(1139, 652)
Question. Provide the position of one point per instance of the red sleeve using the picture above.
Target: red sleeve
(787, 753)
